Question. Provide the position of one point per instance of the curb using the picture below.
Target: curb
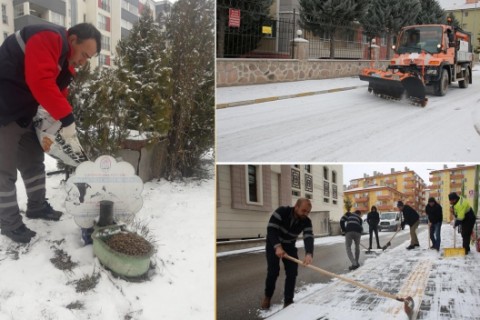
(288, 96)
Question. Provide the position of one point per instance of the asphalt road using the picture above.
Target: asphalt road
(241, 277)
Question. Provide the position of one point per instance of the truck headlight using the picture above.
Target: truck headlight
(432, 71)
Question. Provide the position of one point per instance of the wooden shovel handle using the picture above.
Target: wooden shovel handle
(355, 283)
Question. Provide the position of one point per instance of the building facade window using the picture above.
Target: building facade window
(325, 173)
(326, 188)
(4, 14)
(334, 192)
(130, 7)
(5, 35)
(105, 43)
(308, 168)
(295, 178)
(334, 176)
(308, 195)
(18, 10)
(103, 22)
(126, 25)
(254, 184)
(308, 182)
(103, 60)
(57, 18)
(104, 4)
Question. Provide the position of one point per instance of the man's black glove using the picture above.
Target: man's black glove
(457, 223)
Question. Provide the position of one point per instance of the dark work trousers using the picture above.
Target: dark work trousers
(291, 270)
(371, 229)
(467, 228)
(19, 149)
(435, 231)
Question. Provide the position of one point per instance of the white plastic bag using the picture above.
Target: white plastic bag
(48, 132)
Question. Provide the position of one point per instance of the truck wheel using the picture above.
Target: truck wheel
(466, 79)
(442, 85)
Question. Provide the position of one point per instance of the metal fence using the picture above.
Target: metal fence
(262, 37)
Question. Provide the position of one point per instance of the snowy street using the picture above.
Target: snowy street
(33, 287)
(313, 121)
(442, 287)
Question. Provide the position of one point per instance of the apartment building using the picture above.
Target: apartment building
(248, 194)
(409, 185)
(114, 18)
(460, 179)
(383, 197)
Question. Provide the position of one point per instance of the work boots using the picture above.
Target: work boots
(266, 303)
(22, 234)
(45, 212)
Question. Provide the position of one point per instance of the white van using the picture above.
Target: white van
(390, 221)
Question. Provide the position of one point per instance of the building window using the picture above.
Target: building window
(254, 184)
(104, 4)
(103, 22)
(129, 7)
(295, 193)
(334, 201)
(103, 60)
(334, 176)
(295, 179)
(308, 182)
(325, 173)
(57, 18)
(4, 14)
(105, 43)
(334, 191)
(308, 168)
(126, 24)
(308, 195)
(326, 188)
(5, 35)
(18, 10)
(326, 200)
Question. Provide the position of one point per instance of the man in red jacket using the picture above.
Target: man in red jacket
(37, 65)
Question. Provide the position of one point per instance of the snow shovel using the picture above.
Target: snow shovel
(368, 251)
(408, 303)
(454, 252)
(388, 244)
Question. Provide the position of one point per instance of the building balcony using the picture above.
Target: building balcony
(434, 194)
(434, 187)
(410, 185)
(390, 181)
(434, 179)
(385, 207)
(455, 185)
(410, 193)
(361, 200)
(362, 209)
(457, 176)
(410, 178)
(385, 197)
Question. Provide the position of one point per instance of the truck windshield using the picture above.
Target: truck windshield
(428, 39)
(388, 216)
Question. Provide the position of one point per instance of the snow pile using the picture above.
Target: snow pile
(179, 217)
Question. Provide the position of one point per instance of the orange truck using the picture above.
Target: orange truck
(426, 56)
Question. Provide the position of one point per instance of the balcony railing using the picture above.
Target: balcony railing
(385, 197)
(433, 179)
(361, 200)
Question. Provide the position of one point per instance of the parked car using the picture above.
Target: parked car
(390, 221)
(365, 225)
(424, 219)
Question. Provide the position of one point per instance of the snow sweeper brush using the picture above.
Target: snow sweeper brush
(408, 303)
(393, 85)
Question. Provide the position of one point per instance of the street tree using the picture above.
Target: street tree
(431, 13)
(347, 203)
(326, 17)
(401, 13)
(374, 21)
(190, 31)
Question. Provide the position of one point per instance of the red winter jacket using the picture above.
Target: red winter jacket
(38, 76)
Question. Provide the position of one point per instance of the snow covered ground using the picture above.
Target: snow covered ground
(442, 288)
(179, 216)
(345, 126)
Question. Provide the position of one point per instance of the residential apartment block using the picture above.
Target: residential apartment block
(114, 18)
(460, 179)
(247, 195)
(405, 185)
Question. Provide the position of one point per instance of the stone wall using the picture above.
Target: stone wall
(233, 72)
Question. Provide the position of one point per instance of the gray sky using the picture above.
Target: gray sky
(356, 170)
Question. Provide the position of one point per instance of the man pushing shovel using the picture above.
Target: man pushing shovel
(284, 227)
